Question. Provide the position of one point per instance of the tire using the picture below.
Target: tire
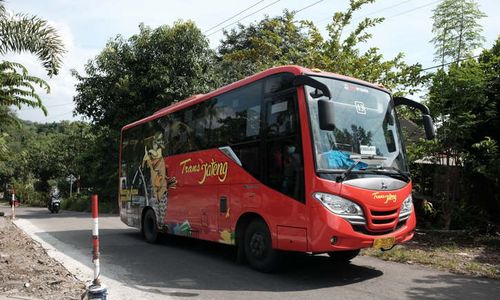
(258, 247)
(150, 227)
(343, 256)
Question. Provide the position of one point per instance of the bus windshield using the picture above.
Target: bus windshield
(366, 134)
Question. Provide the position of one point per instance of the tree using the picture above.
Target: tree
(41, 153)
(132, 78)
(22, 32)
(271, 42)
(465, 102)
(18, 87)
(283, 40)
(456, 29)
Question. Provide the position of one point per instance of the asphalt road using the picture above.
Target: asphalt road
(179, 268)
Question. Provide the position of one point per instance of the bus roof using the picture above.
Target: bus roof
(296, 70)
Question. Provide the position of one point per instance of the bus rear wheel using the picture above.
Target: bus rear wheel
(343, 256)
(150, 227)
(258, 247)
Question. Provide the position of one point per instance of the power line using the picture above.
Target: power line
(411, 10)
(446, 64)
(371, 13)
(50, 106)
(234, 16)
(243, 18)
(58, 115)
(385, 8)
(306, 7)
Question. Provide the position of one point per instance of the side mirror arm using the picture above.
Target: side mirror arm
(411, 103)
(306, 80)
(430, 133)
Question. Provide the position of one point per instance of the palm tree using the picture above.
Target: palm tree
(17, 87)
(24, 33)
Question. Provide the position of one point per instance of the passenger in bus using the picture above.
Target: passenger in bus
(292, 171)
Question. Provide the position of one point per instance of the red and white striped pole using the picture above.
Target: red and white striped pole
(95, 240)
(96, 291)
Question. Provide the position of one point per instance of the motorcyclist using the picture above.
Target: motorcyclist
(54, 195)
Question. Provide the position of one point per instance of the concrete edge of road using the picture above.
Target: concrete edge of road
(65, 255)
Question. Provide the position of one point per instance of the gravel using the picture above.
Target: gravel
(27, 271)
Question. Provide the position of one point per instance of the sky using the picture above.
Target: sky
(86, 26)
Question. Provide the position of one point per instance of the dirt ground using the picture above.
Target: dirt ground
(27, 272)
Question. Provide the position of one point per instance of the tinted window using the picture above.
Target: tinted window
(263, 132)
(279, 82)
(285, 167)
(281, 115)
(284, 161)
(235, 116)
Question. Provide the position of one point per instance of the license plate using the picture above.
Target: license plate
(383, 243)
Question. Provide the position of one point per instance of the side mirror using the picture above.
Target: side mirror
(325, 107)
(325, 114)
(430, 133)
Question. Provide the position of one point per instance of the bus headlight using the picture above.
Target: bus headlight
(406, 208)
(342, 207)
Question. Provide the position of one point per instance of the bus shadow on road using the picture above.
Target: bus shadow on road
(184, 265)
(194, 264)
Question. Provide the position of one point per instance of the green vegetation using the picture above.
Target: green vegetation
(462, 185)
(457, 32)
(24, 33)
(458, 252)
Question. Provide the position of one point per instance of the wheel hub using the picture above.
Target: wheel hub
(257, 245)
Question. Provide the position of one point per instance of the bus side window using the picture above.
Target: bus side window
(281, 116)
(285, 167)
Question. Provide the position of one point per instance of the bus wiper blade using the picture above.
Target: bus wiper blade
(367, 156)
(346, 173)
(384, 170)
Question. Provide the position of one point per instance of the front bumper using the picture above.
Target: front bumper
(326, 225)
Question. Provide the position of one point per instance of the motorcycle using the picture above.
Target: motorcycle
(54, 204)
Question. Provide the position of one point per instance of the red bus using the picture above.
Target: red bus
(288, 159)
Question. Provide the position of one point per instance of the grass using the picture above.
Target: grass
(461, 253)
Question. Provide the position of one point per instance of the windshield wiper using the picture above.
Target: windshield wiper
(358, 159)
(383, 170)
(346, 173)
(367, 156)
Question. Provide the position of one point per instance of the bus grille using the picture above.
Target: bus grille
(381, 222)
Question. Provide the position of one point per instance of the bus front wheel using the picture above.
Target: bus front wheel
(258, 247)
(149, 227)
(343, 256)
